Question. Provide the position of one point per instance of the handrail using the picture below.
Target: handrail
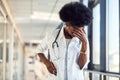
(104, 73)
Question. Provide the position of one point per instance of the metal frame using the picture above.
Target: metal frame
(81, 1)
(93, 3)
(90, 65)
(104, 73)
(119, 38)
(103, 36)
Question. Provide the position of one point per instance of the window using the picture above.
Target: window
(96, 34)
(112, 40)
(105, 50)
(96, 40)
(1, 46)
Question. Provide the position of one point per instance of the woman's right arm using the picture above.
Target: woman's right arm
(41, 50)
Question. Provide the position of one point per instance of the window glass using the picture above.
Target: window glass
(8, 49)
(112, 36)
(96, 40)
(1, 46)
(85, 2)
(96, 34)
(112, 78)
(15, 56)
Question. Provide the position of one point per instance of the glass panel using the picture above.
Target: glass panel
(96, 39)
(113, 36)
(96, 34)
(95, 77)
(7, 52)
(15, 58)
(113, 78)
(85, 2)
(1, 46)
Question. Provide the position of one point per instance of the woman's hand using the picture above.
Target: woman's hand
(51, 68)
(80, 33)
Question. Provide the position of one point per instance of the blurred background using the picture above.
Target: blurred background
(24, 23)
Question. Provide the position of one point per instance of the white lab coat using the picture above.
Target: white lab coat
(57, 56)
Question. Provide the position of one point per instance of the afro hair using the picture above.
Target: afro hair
(76, 13)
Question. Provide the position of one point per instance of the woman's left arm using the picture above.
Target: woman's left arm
(80, 33)
(83, 56)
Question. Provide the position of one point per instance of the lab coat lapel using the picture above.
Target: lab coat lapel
(62, 43)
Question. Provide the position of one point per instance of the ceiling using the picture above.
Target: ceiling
(36, 17)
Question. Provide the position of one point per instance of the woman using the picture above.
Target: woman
(68, 47)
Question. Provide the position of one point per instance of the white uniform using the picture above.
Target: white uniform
(64, 57)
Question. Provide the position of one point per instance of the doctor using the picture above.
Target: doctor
(66, 52)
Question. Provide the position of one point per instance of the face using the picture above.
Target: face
(71, 29)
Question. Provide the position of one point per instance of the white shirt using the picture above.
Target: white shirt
(67, 44)
(66, 64)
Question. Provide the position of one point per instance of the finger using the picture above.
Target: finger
(84, 30)
(79, 36)
(80, 30)
(54, 69)
(50, 69)
(77, 31)
(52, 65)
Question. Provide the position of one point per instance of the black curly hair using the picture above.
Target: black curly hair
(76, 13)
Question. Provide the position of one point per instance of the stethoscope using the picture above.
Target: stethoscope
(55, 44)
(55, 41)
